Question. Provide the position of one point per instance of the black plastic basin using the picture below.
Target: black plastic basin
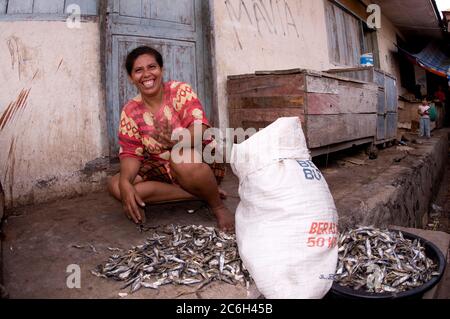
(431, 251)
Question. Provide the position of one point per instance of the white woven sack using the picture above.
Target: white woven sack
(286, 222)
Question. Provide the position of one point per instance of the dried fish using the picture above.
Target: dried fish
(93, 248)
(382, 261)
(182, 255)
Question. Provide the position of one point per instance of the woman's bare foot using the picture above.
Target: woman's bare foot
(223, 194)
(225, 219)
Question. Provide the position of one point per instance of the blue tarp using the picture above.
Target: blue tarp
(432, 59)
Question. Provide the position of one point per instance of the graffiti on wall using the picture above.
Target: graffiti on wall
(269, 17)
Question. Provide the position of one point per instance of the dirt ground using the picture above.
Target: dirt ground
(40, 240)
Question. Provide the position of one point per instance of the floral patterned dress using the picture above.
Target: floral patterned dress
(139, 130)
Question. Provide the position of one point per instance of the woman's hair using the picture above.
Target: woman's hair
(133, 55)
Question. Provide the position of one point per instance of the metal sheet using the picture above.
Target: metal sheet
(391, 125)
(391, 94)
(381, 104)
(381, 127)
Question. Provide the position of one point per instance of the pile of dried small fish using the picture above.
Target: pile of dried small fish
(382, 261)
(182, 255)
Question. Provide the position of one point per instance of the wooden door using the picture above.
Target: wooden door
(391, 106)
(381, 114)
(175, 28)
(391, 94)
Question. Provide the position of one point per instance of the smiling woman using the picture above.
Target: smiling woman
(147, 171)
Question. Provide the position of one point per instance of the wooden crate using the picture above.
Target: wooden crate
(387, 106)
(335, 112)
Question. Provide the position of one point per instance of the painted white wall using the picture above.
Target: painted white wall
(252, 35)
(61, 126)
(278, 34)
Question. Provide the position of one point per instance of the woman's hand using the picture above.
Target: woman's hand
(132, 203)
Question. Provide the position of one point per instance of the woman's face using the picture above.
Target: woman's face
(147, 75)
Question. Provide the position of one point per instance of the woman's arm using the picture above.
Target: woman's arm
(191, 137)
(129, 168)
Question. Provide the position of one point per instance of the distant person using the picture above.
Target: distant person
(424, 112)
(440, 95)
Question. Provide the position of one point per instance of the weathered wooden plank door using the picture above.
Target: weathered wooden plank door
(387, 107)
(175, 28)
(381, 115)
(391, 107)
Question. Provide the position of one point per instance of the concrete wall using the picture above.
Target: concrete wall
(266, 35)
(52, 112)
(270, 35)
(402, 194)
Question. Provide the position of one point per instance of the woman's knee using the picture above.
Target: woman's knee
(187, 170)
